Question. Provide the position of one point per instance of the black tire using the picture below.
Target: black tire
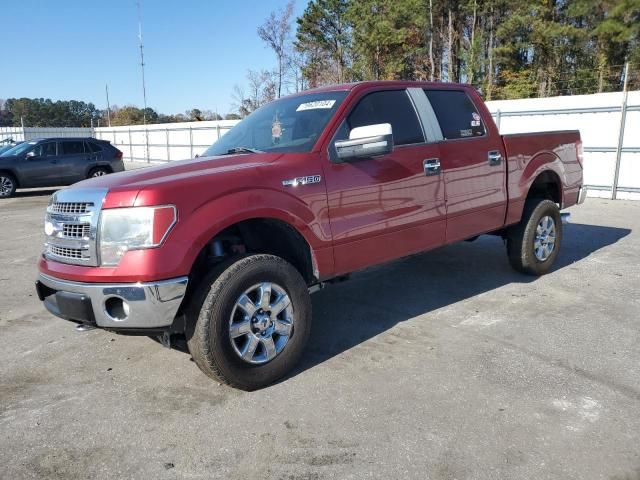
(98, 172)
(521, 238)
(8, 185)
(211, 311)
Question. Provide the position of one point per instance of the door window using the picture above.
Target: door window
(47, 149)
(391, 106)
(72, 148)
(457, 116)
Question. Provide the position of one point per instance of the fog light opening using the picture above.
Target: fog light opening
(116, 308)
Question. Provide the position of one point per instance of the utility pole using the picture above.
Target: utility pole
(623, 121)
(106, 87)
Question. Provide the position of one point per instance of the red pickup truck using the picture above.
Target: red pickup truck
(224, 250)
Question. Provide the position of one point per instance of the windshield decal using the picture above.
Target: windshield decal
(318, 104)
(276, 130)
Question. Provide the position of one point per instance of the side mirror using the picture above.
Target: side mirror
(30, 155)
(365, 142)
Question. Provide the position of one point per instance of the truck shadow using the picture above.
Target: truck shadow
(375, 300)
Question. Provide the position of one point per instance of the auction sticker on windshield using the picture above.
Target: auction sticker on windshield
(315, 105)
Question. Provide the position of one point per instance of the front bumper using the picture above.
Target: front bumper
(139, 306)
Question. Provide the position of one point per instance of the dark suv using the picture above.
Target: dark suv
(52, 162)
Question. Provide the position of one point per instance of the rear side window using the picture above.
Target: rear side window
(456, 114)
(394, 107)
(93, 147)
(72, 148)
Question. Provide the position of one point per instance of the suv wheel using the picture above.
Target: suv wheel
(533, 244)
(98, 172)
(7, 185)
(250, 321)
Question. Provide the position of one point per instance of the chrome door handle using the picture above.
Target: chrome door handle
(495, 158)
(431, 166)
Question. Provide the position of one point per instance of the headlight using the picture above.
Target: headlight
(123, 229)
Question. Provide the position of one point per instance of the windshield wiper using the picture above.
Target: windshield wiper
(233, 150)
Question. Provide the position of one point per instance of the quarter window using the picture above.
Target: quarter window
(457, 116)
(93, 147)
(391, 106)
(72, 148)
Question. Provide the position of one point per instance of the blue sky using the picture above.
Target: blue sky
(195, 50)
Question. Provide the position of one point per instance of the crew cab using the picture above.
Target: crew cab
(223, 251)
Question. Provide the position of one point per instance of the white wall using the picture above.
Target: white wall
(598, 119)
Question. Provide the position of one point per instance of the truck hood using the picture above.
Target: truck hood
(159, 184)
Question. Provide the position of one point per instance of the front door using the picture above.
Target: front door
(39, 168)
(472, 164)
(385, 207)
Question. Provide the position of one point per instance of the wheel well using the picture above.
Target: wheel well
(260, 235)
(9, 172)
(546, 185)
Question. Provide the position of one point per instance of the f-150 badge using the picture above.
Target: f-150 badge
(294, 182)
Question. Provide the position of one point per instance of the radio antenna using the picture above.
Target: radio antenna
(144, 88)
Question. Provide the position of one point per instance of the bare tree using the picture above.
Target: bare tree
(275, 33)
(240, 101)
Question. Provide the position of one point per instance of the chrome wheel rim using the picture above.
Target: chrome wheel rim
(261, 323)
(99, 173)
(545, 241)
(6, 186)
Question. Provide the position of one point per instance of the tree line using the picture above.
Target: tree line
(41, 112)
(505, 48)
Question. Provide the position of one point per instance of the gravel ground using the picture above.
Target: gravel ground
(445, 365)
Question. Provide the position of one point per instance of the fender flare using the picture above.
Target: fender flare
(249, 205)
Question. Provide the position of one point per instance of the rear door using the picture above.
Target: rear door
(384, 207)
(73, 161)
(473, 166)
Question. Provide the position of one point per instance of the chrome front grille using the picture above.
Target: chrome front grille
(63, 252)
(71, 207)
(71, 226)
(76, 230)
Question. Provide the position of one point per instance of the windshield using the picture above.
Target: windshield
(18, 149)
(287, 125)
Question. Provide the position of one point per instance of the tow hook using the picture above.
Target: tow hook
(83, 327)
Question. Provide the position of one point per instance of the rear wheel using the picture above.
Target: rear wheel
(98, 172)
(533, 244)
(250, 321)
(7, 185)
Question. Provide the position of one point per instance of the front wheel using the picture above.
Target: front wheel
(533, 244)
(7, 185)
(250, 321)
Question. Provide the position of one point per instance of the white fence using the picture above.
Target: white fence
(165, 142)
(610, 133)
(23, 134)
